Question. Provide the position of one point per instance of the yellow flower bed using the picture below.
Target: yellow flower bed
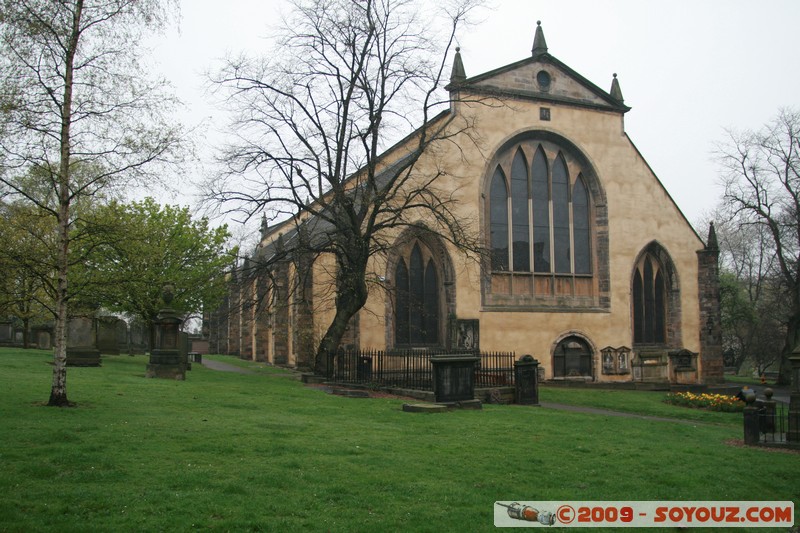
(712, 402)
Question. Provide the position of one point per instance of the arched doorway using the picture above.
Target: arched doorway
(572, 358)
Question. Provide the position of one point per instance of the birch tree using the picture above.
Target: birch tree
(79, 97)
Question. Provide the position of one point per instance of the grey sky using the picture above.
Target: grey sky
(688, 68)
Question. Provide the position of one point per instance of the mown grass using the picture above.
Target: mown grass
(260, 452)
(648, 403)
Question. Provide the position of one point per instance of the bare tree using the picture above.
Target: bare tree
(314, 119)
(80, 99)
(754, 305)
(762, 189)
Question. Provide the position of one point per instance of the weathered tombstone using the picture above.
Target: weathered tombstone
(138, 338)
(454, 378)
(107, 336)
(165, 357)
(82, 342)
(6, 333)
(526, 380)
(44, 341)
(122, 336)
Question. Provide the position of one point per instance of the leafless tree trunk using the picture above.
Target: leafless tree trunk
(314, 119)
(762, 187)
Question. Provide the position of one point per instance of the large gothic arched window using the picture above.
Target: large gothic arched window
(560, 224)
(542, 210)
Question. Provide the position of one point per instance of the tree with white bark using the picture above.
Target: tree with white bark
(78, 97)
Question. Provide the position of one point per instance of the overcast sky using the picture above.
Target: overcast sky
(689, 69)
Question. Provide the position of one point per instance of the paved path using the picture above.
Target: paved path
(225, 367)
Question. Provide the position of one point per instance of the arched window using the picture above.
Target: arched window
(545, 220)
(649, 305)
(521, 240)
(499, 221)
(561, 216)
(561, 231)
(417, 307)
(581, 229)
(401, 314)
(541, 212)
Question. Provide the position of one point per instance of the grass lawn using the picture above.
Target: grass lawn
(262, 452)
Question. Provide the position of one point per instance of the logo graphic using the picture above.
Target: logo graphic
(524, 512)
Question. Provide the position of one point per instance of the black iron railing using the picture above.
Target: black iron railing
(774, 422)
(412, 369)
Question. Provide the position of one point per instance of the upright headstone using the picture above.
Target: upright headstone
(122, 336)
(107, 335)
(138, 338)
(82, 342)
(6, 333)
(44, 339)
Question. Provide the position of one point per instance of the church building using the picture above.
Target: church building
(591, 267)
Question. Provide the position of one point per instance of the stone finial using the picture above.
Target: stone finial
(712, 244)
(539, 44)
(458, 74)
(167, 293)
(616, 92)
(264, 226)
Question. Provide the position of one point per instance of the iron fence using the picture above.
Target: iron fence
(775, 421)
(412, 369)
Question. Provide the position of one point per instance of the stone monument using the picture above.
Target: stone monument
(165, 357)
(82, 341)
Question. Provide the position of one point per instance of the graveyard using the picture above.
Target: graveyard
(261, 451)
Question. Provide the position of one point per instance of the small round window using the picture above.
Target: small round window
(543, 79)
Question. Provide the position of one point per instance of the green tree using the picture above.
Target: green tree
(81, 99)
(26, 262)
(145, 245)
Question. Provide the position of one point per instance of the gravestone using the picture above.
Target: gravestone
(6, 333)
(107, 335)
(82, 342)
(122, 336)
(137, 338)
(44, 341)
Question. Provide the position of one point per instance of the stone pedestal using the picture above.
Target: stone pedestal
(526, 380)
(167, 360)
(752, 435)
(454, 378)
